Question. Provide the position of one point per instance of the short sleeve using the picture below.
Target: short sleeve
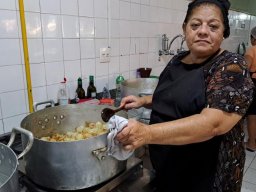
(230, 87)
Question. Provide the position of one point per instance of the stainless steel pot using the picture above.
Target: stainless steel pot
(9, 162)
(68, 165)
(139, 87)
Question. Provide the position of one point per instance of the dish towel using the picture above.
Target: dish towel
(115, 149)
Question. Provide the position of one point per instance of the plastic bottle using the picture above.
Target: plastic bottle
(63, 93)
(118, 98)
(91, 90)
(80, 91)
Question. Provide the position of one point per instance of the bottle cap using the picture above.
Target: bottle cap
(119, 79)
(91, 77)
(79, 81)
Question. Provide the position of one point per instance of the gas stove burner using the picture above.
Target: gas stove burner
(29, 186)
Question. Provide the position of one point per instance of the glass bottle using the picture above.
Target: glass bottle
(118, 98)
(80, 91)
(91, 90)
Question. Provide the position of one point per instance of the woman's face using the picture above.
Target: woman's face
(204, 30)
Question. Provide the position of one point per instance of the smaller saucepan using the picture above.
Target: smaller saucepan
(9, 161)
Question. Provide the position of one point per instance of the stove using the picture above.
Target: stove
(134, 178)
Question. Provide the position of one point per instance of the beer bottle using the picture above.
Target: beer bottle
(80, 91)
(91, 90)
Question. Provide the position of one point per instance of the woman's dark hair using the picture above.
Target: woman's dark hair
(224, 6)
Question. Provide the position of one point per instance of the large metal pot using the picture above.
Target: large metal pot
(9, 162)
(139, 87)
(68, 165)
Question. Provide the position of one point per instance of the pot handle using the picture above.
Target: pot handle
(30, 136)
(43, 102)
(100, 154)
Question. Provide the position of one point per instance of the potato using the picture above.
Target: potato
(90, 129)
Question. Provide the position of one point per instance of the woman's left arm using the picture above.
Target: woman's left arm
(196, 128)
(193, 129)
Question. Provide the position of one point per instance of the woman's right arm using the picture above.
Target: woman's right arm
(131, 102)
(248, 59)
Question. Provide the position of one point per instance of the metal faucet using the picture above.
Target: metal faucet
(166, 49)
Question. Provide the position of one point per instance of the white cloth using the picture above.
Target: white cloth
(115, 149)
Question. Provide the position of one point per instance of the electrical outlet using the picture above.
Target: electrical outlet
(105, 55)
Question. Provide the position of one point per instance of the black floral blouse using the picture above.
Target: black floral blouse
(229, 88)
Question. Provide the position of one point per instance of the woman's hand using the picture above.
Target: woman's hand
(131, 102)
(134, 135)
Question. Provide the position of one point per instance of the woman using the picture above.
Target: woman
(250, 57)
(195, 132)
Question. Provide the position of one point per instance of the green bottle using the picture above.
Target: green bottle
(80, 91)
(118, 98)
(91, 90)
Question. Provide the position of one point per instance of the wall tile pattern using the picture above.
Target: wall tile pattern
(64, 39)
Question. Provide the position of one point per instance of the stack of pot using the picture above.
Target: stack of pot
(139, 87)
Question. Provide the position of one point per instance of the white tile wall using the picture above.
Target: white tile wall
(101, 28)
(85, 8)
(70, 26)
(64, 39)
(39, 94)
(87, 27)
(33, 25)
(53, 50)
(32, 5)
(87, 47)
(11, 122)
(7, 4)
(101, 8)
(54, 72)
(11, 78)
(69, 7)
(115, 47)
(9, 24)
(72, 70)
(36, 54)
(1, 117)
(88, 67)
(71, 49)
(50, 6)
(51, 26)
(17, 99)
(115, 9)
(38, 74)
(10, 52)
(1, 127)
